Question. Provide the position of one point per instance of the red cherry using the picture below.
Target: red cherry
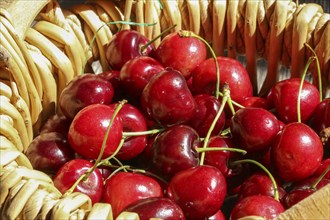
(325, 163)
(284, 96)
(70, 172)
(257, 205)
(123, 189)
(125, 45)
(219, 159)
(254, 129)
(136, 73)
(167, 99)
(56, 123)
(321, 117)
(181, 53)
(88, 129)
(207, 107)
(133, 121)
(85, 90)
(217, 216)
(48, 152)
(255, 101)
(174, 150)
(200, 191)
(259, 183)
(113, 77)
(296, 153)
(231, 72)
(157, 207)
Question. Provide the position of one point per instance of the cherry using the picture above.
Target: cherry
(136, 73)
(232, 72)
(174, 150)
(321, 117)
(167, 99)
(257, 205)
(254, 129)
(296, 153)
(156, 207)
(181, 53)
(49, 151)
(199, 191)
(125, 45)
(219, 159)
(133, 121)
(113, 76)
(207, 107)
(56, 123)
(255, 101)
(259, 183)
(71, 171)
(284, 96)
(217, 216)
(124, 188)
(325, 163)
(85, 90)
(88, 129)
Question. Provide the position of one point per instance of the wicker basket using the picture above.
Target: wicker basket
(43, 46)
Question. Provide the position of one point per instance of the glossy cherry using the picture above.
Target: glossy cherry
(325, 163)
(257, 205)
(136, 73)
(296, 153)
(133, 121)
(125, 45)
(207, 107)
(88, 129)
(124, 188)
(321, 116)
(71, 171)
(199, 191)
(85, 90)
(254, 129)
(56, 123)
(284, 97)
(231, 71)
(174, 150)
(48, 152)
(113, 76)
(156, 207)
(181, 53)
(167, 99)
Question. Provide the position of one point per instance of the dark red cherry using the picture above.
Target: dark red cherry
(156, 207)
(321, 117)
(325, 163)
(48, 152)
(181, 53)
(125, 45)
(85, 90)
(174, 150)
(56, 123)
(254, 129)
(136, 73)
(255, 101)
(167, 99)
(113, 76)
(207, 107)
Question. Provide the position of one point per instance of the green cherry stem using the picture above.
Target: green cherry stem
(200, 150)
(226, 92)
(318, 70)
(140, 133)
(318, 180)
(310, 60)
(185, 33)
(276, 194)
(233, 102)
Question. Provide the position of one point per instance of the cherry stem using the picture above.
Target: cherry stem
(226, 93)
(140, 133)
(318, 180)
(233, 102)
(144, 47)
(200, 150)
(111, 23)
(276, 195)
(185, 33)
(318, 71)
(310, 60)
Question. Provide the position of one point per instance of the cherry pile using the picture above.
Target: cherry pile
(174, 133)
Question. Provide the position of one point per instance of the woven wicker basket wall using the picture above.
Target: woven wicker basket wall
(38, 60)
